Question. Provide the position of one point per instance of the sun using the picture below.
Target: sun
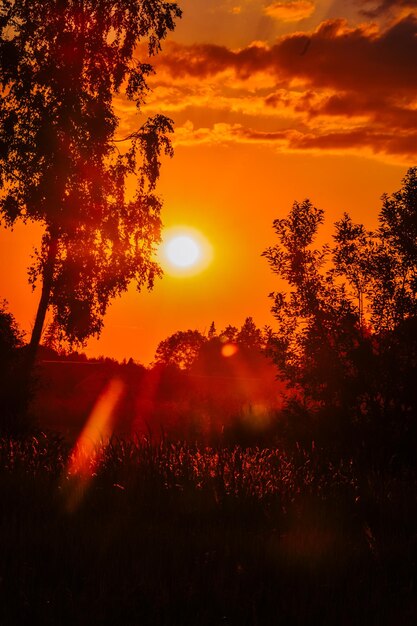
(184, 251)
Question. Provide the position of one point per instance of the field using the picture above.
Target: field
(176, 534)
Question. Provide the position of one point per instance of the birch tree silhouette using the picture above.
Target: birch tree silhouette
(62, 65)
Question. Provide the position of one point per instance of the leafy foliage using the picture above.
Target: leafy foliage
(11, 337)
(381, 266)
(346, 336)
(180, 349)
(249, 335)
(317, 322)
(63, 64)
(11, 393)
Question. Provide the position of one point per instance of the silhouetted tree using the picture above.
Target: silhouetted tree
(381, 266)
(212, 333)
(249, 335)
(11, 337)
(62, 64)
(229, 334)
(347, 328)
(394, 275)
(11, 340)
(385, 263)
(316, 321)
(180, 349)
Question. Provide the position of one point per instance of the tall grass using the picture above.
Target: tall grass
(178, 534)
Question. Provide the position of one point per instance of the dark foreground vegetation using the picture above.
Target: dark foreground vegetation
(160, 533)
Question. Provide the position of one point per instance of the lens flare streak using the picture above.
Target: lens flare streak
(87, 453)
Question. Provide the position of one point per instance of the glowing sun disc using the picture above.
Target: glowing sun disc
(182, 251)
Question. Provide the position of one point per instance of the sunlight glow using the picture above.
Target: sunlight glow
(229, 349)
(184, 251)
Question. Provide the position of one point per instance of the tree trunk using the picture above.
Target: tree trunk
(15, 419)
(47, 282)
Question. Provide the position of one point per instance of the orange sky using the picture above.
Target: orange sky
(273, 102)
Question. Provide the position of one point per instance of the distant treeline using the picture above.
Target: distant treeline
(201, 386)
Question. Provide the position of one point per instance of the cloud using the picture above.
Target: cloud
(335, 55)
(400, 147)
(380, 111)
(291, 11)
(380, 8)
(172, 99)
(362, 139)
(337, 88)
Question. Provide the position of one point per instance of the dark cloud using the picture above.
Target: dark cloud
(379, 8)
(399, 145)
(338, 88)
(334, 56)
(377, 142)
(380, 111)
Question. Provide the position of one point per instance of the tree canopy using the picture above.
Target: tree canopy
(11, 337)
(11, 340)
(180, 349)
(63, 64)
(346, 335)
